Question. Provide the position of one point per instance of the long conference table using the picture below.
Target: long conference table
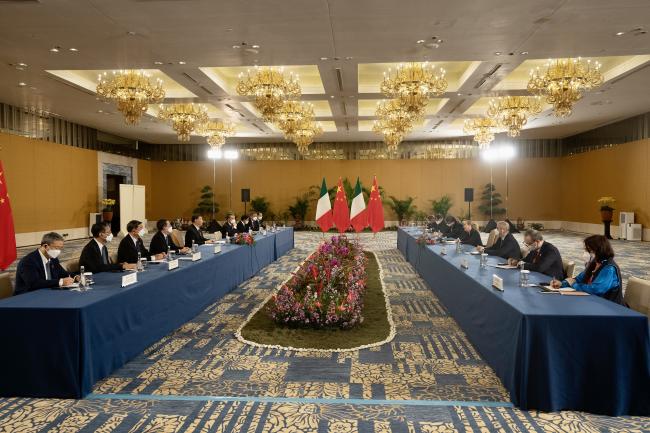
(59, 343)
(552, 352)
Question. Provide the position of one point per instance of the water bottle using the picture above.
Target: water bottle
(169, 254)
(523, 278)
(227, 239)
(82, 278)
(139, 266)
(194, 247)
(444, 250)
(484, 257)
(459, 249)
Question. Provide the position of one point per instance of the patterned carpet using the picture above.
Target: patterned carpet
(429, 379)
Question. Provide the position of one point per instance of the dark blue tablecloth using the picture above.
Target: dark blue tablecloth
(59, 343)
(551, 352)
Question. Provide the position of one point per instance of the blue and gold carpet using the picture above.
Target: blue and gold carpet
(201, 379)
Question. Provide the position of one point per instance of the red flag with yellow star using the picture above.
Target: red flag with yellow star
(341, 211)
(375, 208)
(7, 232)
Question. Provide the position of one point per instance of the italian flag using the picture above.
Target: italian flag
(358, 214)
(324, 217)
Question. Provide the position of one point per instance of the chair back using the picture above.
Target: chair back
(113, 257)
(71, 265)
(637, 295)
(569, 267)
(6, 289)
(492, 238)
(177, 238)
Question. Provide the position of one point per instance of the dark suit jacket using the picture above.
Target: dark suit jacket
(546, 260)
(455, 231)
(227, 229)
(91, 259)
(255, 225)
(128, 253)
(243, 227)
(193, 234)
(471, 238)
(159, 244)
(30, 274)
(435, 226)
(508, 248)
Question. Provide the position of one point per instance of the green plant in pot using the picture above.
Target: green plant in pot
(404, 209)
(299, 208)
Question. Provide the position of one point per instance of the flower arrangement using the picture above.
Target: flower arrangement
(326, 290)
(243, 239)
(425, 239)
(606, 203)
(108, 204)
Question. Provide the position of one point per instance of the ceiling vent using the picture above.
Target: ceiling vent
(339, 79)
(457, 105)
(206, 90)
(190, 77)
(487, 76)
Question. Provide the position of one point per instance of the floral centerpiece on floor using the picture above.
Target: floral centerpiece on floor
(243, 239)
(326, 290)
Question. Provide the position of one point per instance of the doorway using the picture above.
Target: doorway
(113, 182)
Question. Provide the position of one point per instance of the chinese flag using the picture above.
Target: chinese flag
(7, 232)
(341, 211)
(375, 208)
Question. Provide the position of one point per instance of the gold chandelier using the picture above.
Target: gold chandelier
(483, 130)
(216, 131)
(393, 134)
(184, 118)
(270, 88)
(564, 81)
(132, 91)
(304, 133)
(413, 84)
(292, 113)
(512, 112)
(397, 114)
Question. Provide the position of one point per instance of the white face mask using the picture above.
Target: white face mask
(232, 222)
(254, 218)
(53, 253)
(142, 232)
(170, 230)
(109, 238)
(586, 257)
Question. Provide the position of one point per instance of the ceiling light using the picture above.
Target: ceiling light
(215, 153)
(497, 53)
(131, 33)
(332, 96)
(73, 50)
(157, 63)
(620, 33)
(421, 41)
(523, 53)
(324, 58)
(132, 91)
(21, 84)
(255, 46)
(459, 94)
(184, 118)
(55, 49)
(236, 47)
(181, 62)
(22, 65)
(349, 58)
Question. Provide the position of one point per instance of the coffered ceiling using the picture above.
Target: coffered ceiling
(51, 52)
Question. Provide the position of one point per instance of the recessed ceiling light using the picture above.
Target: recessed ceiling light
(349, 58)
(324, 58)
(55, 49)
(74, 50)
(22, 65)
(523, 53)
(181, 62)
(157, 63)
(421, 41)
(131, 33)
(236, 47)
(255, 46)
(332, 96)
(620, 33)
(21, 84)
(497, 53)
(100, 111)
(459, 94)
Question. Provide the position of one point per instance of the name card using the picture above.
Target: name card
(196, 256)
(497, 282)
(217, 249)
(172, 264)
(130, 278)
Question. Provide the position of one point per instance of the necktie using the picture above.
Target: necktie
(48, 273)
(105, 258)
(539, 252)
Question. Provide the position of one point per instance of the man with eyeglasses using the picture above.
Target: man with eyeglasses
(543, 257)
(95, 257)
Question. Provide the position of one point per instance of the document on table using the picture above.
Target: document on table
(567, 291)
(502, 266)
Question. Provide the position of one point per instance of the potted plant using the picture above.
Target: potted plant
(403, 209)
(107, 209)
(606, 213)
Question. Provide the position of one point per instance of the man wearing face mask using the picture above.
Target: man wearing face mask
(229, 228)
(132, 244)
(254, 223)
(543, 257)
(259, 220)
(162, 240)
(41, 269)
(194, 233)
(95, 257)
(244, 224)
(506, 245)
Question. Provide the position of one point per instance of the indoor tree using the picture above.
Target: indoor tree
(442, 205)
(207, 206)
(402, 208)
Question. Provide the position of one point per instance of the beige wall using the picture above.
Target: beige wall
(50, 185)
(55, 186)
(281, 181)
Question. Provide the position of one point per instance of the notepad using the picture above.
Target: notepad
(506, 266)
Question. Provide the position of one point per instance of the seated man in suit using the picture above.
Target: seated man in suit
(436, 223)
(254, 222)
(95, 257)
(244, 224)
(162, 240)
(41, 269)
(195, 234)
(132, 244)
(454, 228)
(543, 257)
(259, 220)
(229, 228)
(470, 235)
(506, 245)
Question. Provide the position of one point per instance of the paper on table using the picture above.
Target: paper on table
(474, 253)
(71, 286)
(562, 290)
(506, 266)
